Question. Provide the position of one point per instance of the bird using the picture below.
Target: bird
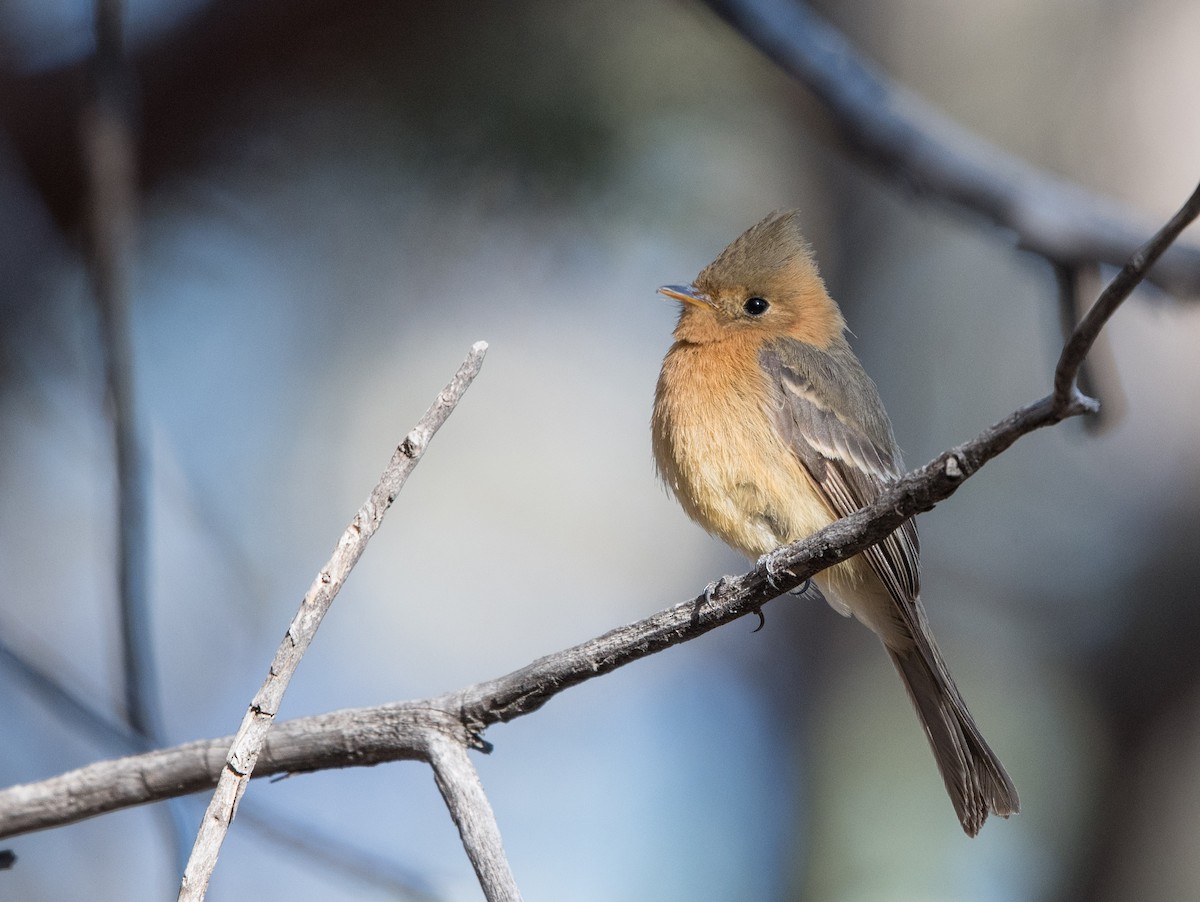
(766, 428)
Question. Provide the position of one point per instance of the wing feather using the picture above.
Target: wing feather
(828, 411)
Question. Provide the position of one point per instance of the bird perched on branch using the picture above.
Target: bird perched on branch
(766, 428)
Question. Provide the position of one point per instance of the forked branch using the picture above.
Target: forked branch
(242, 757)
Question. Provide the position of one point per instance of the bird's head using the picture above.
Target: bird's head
(764, 285)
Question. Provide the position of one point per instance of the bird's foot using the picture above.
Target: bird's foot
(770, 563)
(716, 587)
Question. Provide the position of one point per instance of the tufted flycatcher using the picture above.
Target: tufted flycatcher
(766, 428)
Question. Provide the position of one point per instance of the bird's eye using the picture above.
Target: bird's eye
(756, 306)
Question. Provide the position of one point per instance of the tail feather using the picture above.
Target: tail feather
(974, 778)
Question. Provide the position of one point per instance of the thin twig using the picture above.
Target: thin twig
(1131, 274)
(247, 744)
(1069, 279)
(1078, 285)
(472, 813)
(909, 141)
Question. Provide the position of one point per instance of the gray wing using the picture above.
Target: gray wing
(850, 454)
(852, 457)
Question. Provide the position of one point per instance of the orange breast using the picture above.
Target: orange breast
(718, 450)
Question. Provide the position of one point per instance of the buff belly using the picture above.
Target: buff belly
(734, 475)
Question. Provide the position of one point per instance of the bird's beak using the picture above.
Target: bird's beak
(686, 293)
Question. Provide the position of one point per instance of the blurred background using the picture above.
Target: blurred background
(337, 199)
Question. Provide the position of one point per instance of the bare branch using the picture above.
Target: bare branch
(355, 737)
(472, 814)
(907, 139)
(1131, 274)
(247, 744)
(1070, 278)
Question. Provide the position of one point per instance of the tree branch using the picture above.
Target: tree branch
(472, 813)
(908, 140)
(1131, 274)
(1070, 281)
(247, 744)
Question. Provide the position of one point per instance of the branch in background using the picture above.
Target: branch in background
(110, 166)
(910, 141)
(248, 743)
(332, 852)
(64, 703)
(396, 732)
(108, 149)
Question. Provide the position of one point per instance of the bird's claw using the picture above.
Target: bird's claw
(809, 589)
(769, 564)
(717, 585)
(762, 620)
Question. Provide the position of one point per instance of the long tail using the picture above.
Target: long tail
(975, 779)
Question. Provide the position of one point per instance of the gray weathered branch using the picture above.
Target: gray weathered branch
(472, 814)
(244, 751)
